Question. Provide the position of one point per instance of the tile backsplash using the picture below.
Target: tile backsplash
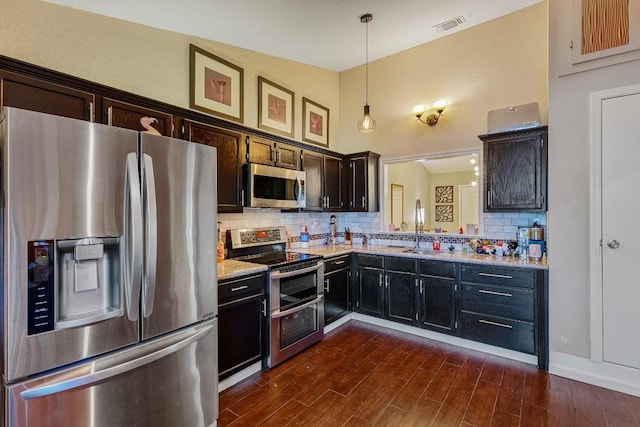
(497, 226)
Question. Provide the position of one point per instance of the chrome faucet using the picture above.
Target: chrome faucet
(419, 222)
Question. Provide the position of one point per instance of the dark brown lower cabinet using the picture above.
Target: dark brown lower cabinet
(337, 278)
(242, 323)
(438, 289)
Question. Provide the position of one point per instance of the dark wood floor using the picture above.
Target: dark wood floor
(364, 375)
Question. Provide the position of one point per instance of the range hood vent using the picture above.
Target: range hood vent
(451, 23)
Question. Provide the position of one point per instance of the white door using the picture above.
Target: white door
(620, 150)
(468, 205)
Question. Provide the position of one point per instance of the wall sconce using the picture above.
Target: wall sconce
(432, 118)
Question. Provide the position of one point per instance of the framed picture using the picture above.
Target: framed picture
(444, 194)
(315, 122)
(275, 107)
(216, 86)
(444, 213)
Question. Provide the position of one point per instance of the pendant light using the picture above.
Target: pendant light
(366, 124)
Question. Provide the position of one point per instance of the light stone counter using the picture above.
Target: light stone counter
(445, 255)
(231, 268)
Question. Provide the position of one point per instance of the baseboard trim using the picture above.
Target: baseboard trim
(601, 374)
(460, 342)
(239, 376)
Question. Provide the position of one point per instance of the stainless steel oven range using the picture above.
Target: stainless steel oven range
(296, 300)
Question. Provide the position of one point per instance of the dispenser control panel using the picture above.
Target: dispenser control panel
(41, 290)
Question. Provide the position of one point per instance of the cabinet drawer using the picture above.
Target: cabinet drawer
(438, 268)
(232, 289)
(402, 265)
(374, 261)
(506, 333)
(492, 275)
(507, 301)
(337, 263)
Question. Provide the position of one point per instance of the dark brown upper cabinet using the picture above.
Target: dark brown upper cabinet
(323, 184)
(34, 94)
(229, 157)
(362, 182)
(273, 153)
(515, 170)
(125, 115)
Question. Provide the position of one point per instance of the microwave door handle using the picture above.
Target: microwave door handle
(132, 237)
(297, 188)
(151, 252)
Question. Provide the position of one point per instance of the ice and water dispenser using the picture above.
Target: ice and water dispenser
(73, 283)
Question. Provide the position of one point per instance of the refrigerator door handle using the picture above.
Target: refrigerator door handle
(185, 339)
(151, 235)
(132, 237)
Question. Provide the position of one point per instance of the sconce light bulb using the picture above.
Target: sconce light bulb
(440, 105)
(419, 110)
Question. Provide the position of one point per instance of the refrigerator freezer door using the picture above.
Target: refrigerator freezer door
(170, 381)
(63, 180)
(186, 205)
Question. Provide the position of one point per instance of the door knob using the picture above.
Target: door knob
(613, 244)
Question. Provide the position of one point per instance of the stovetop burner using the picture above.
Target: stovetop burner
(266, 246)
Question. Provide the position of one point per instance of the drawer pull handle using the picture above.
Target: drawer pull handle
(498, 276)
(338, 262)
(502, 325)
(239, 288)
(502, 294)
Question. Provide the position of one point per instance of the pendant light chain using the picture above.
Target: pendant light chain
(366, 64)
(366, 124)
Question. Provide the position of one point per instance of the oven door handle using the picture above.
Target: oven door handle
(277, 313)
(278, 276)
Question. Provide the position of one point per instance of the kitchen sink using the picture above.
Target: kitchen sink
(422, 251)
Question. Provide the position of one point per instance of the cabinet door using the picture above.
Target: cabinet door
(336, 294)
(261, 151)
(312, 165)
(401, 297)
(124, 115)
(38, 95)
(437, 303)
(228, 145)
(287, 156)
(369, 291)
(241, 329)
(358, 184)
(333, 182)
(515, 173)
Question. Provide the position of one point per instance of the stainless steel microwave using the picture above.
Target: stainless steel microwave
(273, 187)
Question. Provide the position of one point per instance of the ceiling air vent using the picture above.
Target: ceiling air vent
(451, 23)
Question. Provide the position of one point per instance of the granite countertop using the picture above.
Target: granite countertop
(445, 255)
(231, 268)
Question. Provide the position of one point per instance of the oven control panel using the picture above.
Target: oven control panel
(242, 238)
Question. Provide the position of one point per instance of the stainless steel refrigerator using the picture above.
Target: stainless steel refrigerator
(108, 267)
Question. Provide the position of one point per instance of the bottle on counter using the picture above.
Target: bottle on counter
(436, 243)
(220, 249)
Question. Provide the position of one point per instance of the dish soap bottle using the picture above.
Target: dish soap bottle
(436, 243)
(220, 250)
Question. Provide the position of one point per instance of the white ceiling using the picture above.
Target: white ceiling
(324, 33)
